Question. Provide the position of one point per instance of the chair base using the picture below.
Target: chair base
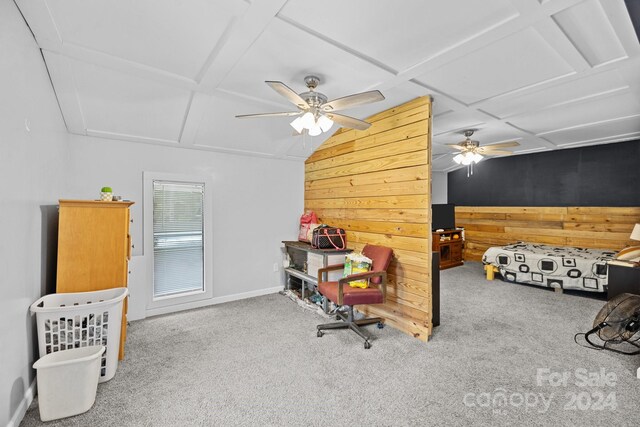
(348, 322)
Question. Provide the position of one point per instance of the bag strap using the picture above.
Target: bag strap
(326, 233)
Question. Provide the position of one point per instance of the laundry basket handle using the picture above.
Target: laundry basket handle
(39, 305)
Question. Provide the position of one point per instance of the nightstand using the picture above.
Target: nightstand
(623, 280)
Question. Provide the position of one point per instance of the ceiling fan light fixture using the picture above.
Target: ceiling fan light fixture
(308, 120)
(315, 131)
(314, 127)
(297, 124)
(467, 158)
(325, 123)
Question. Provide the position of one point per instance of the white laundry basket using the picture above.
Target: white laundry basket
(68, 381)
(82, 319)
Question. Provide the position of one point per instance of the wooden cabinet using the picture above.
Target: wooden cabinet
(449, 245)
(94, 247)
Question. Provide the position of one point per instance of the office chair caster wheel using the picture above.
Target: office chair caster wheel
(320, 334)
(380, 325)
(367, 345)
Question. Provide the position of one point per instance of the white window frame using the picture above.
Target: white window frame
(171, 303)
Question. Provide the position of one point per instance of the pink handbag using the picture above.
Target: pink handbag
(307, 221)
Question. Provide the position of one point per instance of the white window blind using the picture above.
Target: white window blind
(178, 243)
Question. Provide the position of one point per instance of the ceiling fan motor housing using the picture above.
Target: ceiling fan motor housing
(314, 99)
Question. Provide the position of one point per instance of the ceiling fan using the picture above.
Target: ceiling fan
(471, 152)
(315, 114)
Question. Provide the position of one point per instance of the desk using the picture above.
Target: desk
(623, 280)
(304, 263)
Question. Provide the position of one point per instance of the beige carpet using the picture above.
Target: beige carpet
(258, 362)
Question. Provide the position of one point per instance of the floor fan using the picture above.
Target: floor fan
(617, 326)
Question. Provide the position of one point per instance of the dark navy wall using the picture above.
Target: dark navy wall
(602, 175)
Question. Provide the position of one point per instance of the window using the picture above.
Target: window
(178, 243)
(178, 224)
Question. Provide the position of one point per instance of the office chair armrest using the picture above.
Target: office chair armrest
(323, 270)
(360, 276)
(366, 275)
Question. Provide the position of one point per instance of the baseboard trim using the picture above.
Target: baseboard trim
(21, 410)
(213, 301)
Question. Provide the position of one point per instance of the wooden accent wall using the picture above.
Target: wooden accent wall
(587, 227)
(376, 184)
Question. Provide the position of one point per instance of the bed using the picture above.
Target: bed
(550, 266)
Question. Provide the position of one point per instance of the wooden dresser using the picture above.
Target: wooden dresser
(94, 248)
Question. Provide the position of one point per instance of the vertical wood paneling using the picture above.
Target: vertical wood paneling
(587, 227)
(376, 184)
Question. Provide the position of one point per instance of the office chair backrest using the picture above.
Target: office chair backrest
(381, 257)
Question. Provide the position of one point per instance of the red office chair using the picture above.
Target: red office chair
(344, 295)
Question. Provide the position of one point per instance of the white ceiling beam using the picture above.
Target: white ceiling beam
(558, 40)
(111, 62)
(133, 138)
(606, 140)
(40, 20)
(619, 17)
(64, 86)
(339, 45)
(530, 13)
(240, 38)
(193, 116)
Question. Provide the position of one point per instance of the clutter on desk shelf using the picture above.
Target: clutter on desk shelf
(312, 227)
(316, 299)
(356, 262)
(307, 220)
(307, 305)
(327, 237)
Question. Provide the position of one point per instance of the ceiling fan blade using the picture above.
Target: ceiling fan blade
(289, 93)
(286, 114)
(494, 152)
(353, 100)
(456, 146)
(503, 145)
(348, 122)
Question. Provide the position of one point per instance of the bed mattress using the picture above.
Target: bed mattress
(552, 266)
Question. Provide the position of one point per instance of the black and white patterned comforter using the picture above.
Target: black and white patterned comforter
(550, 266)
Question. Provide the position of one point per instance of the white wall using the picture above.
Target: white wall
(32, 175)
(438, 187)
(257, 204)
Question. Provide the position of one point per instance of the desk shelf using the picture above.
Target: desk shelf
(305, 261)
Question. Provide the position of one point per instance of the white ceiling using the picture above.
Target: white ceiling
(550, 74)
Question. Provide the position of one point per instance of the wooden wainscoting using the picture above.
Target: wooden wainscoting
(376, 184)
(587, 227)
